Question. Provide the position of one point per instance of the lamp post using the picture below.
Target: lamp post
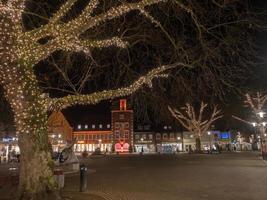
(99, 142)
(209, 134)
(261, 126)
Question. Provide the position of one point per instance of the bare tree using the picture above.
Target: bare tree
(196, 122)
(257, 104)
(22, 49)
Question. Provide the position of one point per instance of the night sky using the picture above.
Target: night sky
(150, 52)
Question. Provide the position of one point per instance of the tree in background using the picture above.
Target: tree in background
(194, 121)
(21, 49)
(257, 104)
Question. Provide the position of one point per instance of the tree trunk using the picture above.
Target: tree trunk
(198, 145)
(30, 111)
(36, 170)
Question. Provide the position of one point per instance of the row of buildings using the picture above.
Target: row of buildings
(117, 133)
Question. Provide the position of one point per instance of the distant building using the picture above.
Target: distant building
(115, 132)
(59, 131)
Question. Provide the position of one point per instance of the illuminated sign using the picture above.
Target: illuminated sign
(80, 142)
(225, 135)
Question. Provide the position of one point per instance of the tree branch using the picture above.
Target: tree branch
(94, 98)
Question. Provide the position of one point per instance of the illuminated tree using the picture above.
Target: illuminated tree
(21, 50)
(257, 103)
(196, 122)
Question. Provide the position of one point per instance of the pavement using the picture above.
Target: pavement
(226, 176)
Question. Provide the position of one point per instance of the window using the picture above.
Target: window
(100, 126)
(136, 137)
(158, 136)
(169, 127)
(147, 127)
(80, 137)
(126, 125)
(111, 136)
(117, 135)
(172, 135)
(98, 136)
(122, 135)
(165, 136)
(86, 126)
(79, 126)
(144, 136)
(165, 127)
(108, 125)
(126, 134)
(150, 136)
(139, 127)
(103, 137)
(94, 137)
(117, 125)
(89, 137)
(93, 126)
(121, 116)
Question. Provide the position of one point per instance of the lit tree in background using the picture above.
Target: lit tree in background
(21, 50)
(194, 121)
(257, 103)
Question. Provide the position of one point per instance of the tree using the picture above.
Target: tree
(195, 122)
(22, 49)
(256, 104)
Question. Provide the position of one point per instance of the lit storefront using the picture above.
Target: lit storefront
(144, 142)
(91, 140)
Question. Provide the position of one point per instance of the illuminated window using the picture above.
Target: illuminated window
(123, 104)
(136, 137)
(86, 126)
(150, 136)
(144, 136)
(172, 135)
(79, 126)
(158, 136)
(165, 127)
(93, 126)
(100, 126)
(108, 125)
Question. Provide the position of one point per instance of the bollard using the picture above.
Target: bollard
(59, 177)
(83, 178)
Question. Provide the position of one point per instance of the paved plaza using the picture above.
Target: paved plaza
(227, 176)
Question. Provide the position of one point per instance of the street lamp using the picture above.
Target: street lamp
(209, 134)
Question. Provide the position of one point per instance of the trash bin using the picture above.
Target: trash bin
(59, 177)
(83, 178)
